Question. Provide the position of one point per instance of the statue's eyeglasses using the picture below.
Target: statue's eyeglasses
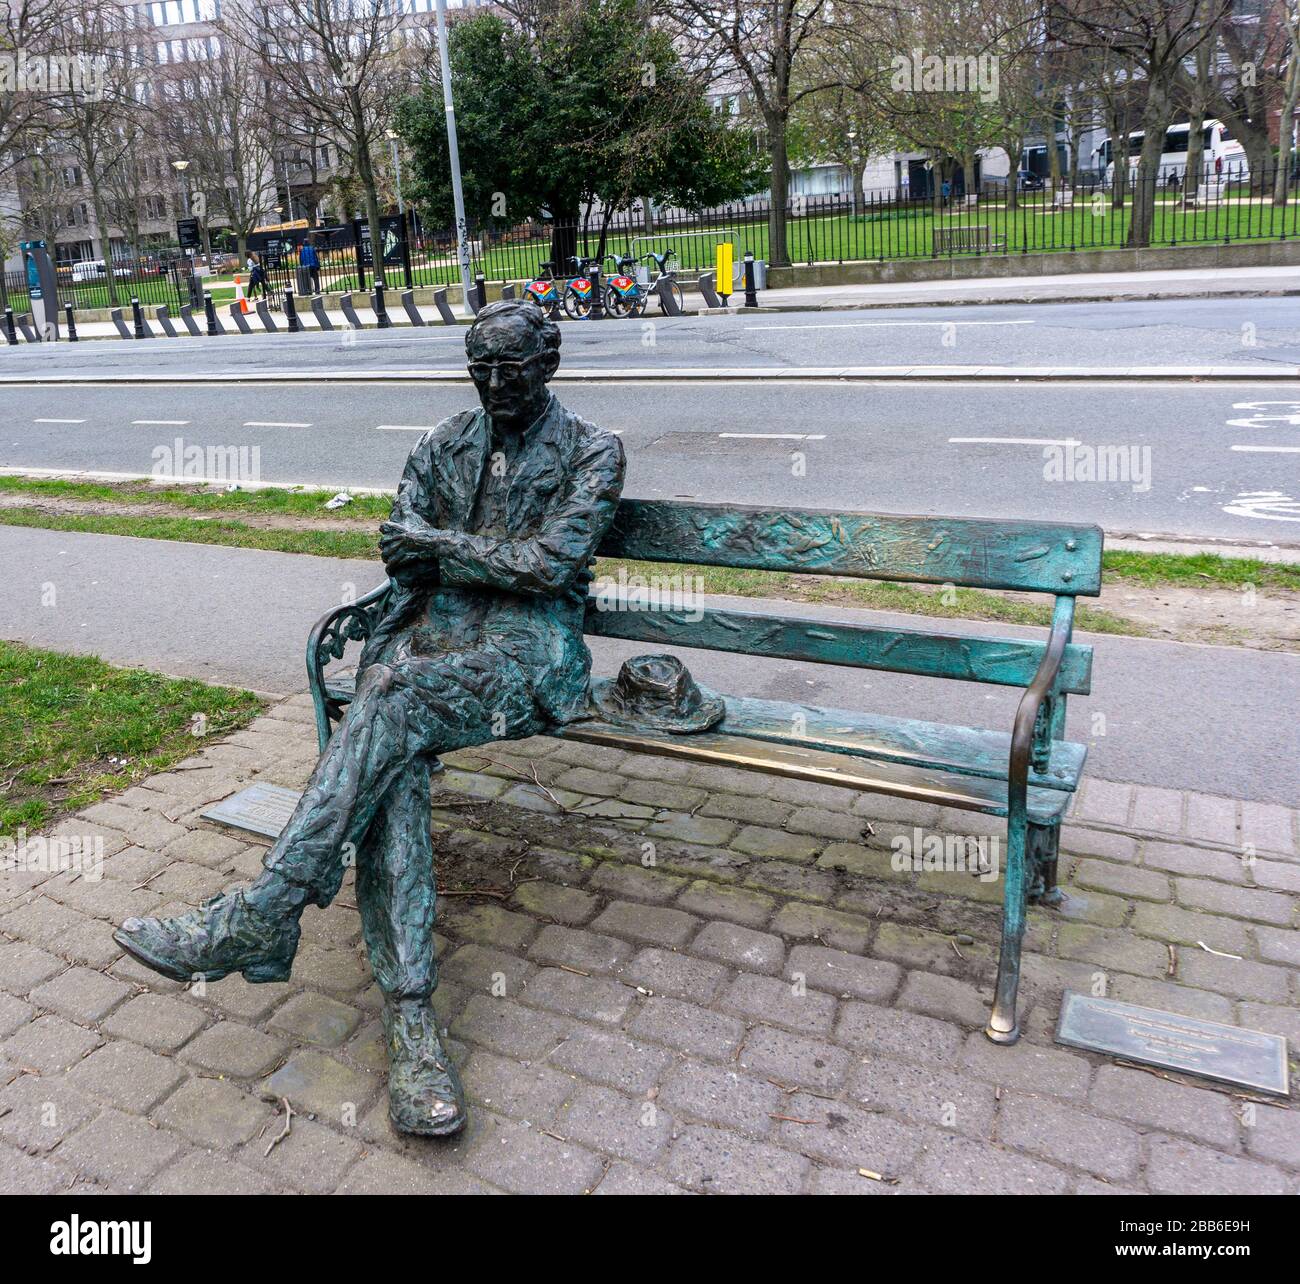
(481, 371)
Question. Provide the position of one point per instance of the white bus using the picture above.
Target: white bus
(1223, 157)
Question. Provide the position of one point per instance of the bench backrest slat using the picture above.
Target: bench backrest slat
(1002, 661)
(1042, 557)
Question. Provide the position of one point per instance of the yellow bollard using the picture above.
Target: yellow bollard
(726, 255)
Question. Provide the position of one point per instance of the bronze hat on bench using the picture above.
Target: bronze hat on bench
(656, 692)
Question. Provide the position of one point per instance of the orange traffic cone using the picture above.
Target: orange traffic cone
(239, 296)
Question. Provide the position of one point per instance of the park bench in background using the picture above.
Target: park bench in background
(966, 240)
(1028, 776)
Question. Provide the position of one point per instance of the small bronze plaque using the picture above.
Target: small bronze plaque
(261, 809)
(1246, 1058)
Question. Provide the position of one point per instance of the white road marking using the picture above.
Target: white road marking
(1274, 450)
(872, 325)
(160, 423)
(58, 421)
(259, 423)
(1015, 441)
(776, 436)
(404, 427)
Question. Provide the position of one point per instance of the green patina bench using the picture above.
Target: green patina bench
(1028, 776)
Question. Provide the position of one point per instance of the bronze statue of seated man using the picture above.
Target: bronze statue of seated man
(489, 543)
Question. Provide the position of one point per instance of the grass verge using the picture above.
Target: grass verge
(74, 728)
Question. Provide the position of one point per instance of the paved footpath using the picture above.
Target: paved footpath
(699, 980)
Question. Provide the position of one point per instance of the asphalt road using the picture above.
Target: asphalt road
(1186, 717)
(1173, 332)
(1194, 460)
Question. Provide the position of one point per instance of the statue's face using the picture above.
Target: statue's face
(510, 368)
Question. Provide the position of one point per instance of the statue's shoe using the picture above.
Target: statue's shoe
(226, 935)
(425, 1096)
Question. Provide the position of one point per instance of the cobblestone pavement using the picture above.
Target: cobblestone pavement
(699, 980)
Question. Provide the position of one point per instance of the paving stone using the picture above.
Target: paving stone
(158, 1021)
(584, 780)
(569, 906)
(489, 925)
(860, 859)
(239, 998)
(213, 1113)
(1237, 978)
(90, 942)
(1240, 902)
(24, 966)
(23, 1174)
(1268, 826)
(81, 993)
(719, 1095)
(844, 1134)
(787, 879)
(1272, 1020)
(893, 1032)
(533, 1092)
(199, 1173)
(1145, 1100)
(1171, 924)
(734, 904)
(946, 997)
(794, 1060)
(957, 1166)
(635, 883)
(775, 844)
(312, 1158)
(782, 1003)
(1279, 946)
(611, 1057)
(1030, 1068)
(322, 1085)
(14, 1014)
(1167, 996)
(572, 947)
(229, 1048)
(1126, 880)
(1098, 842)
(590, 998)
(508, 1028)
(1066, 1136)
(1195, 862)
(119, 1151)
(342, 972)
(48, 1045)
(317, 1018)
(1080, 906)
(146, 828)
(1105, 801)
(843, 973)
(1277, 876)
(1158, 809)
(40, 921)
(718, 1161)
(913, 947)
(478, 968)
(687, 1028)
(1114, 949)
(747, 810)
(39, 1111)
(633, 1129)
(516, 1157)
(741, 947)
(659, 793)
(832, 927)
(130, 1077)
(664, 972)
(384, 1173)
(925, 1095)
(1177, 1167)
(703, 830)
(646, 924)
(1274, 1136)
(624, 1179)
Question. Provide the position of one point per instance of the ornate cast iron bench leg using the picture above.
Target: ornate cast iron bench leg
(1044, 846)
(1003, 1026)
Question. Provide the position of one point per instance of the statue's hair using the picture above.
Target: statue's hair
(544, 329)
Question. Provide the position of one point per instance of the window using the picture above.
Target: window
(155, 207)
(71, 176)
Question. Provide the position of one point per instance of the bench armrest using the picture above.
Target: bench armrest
(352, 622)
(1037, 693)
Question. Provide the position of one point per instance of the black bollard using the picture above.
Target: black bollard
(11, 334)
(382, 319)
(480, 290)
(751, 282)
(72, 322)
(291, 312)
(138, 316)
(597, 297)
(210, 312)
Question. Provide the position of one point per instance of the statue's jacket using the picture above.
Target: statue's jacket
(518, 588)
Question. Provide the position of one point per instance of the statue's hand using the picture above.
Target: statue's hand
(399, 545)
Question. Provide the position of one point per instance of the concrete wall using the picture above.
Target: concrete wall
(1061, 262)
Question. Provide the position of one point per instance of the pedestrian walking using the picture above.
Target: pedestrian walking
(256, 276)
(309, 259)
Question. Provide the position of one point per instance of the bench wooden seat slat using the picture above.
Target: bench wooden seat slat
(1042, 557)
(901, 780)
(1003, 661)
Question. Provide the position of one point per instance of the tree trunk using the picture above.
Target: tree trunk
(366, 176)
(778, 254)
(104, 244)
(647, 216)
(968, 174)
(1286, 130)
(1196, 122)
(1119, 159)
(1155, 121)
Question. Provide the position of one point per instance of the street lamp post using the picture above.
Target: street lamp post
(453, 150)
(180, 166)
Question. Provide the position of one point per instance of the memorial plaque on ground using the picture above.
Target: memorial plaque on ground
(261, 809)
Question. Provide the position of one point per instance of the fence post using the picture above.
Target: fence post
(751, 287)
(210, 312)
(382, 319)
(11, 334)
(72, 324)
(291, 312)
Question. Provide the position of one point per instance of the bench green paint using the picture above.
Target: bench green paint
(1028, 775)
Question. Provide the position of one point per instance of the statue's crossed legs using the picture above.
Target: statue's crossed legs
(367, 803)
